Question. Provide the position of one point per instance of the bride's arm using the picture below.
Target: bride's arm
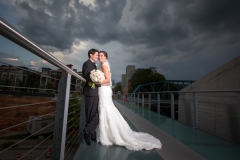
(106, 74)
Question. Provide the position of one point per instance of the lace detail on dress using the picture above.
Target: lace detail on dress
(113, 129)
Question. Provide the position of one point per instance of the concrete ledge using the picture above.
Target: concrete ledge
(171, 148)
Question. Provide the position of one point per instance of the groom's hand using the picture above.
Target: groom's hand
(98, 85)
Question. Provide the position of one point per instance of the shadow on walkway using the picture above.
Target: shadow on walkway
(98, 152)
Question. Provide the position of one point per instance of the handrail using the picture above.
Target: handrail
(197, 91)
(9, 32)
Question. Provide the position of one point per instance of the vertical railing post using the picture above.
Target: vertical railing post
(138, 100)
(131, 98)
(195, 111)
(143, 100)
(149, 101)
(172, 106)
(158, 103)
(60, 127)
(134, 100)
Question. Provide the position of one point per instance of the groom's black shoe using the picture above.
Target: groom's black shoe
(87, 136)
(94, 139)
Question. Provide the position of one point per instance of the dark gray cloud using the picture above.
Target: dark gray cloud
(59, 23)
(195, 36)
(186, 27)
(213, 16)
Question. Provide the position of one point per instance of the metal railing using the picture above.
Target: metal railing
(41, 122)
(213, 111)
(9, 32)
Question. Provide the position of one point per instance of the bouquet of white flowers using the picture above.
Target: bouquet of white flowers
(96, 76)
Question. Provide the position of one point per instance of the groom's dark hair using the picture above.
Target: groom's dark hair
(92, 51)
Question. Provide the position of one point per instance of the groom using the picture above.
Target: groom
(91, 98)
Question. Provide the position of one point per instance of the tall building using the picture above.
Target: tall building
(123, 80)
(130, 69)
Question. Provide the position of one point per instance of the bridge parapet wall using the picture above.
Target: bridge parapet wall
(216, 112)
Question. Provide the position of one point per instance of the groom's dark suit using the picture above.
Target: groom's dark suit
(91, 99)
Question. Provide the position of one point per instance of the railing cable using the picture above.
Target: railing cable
(26, 121)
(24, 105)
(45, 151)
(26, 138)
(69, 129)
(36, 146)
(76, 138)
(71, 151)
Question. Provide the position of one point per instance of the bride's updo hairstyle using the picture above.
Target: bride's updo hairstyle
(104, 53)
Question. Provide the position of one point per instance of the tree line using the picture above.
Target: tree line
(141, 76)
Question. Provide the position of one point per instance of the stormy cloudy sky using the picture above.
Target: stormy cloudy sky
(183, 39)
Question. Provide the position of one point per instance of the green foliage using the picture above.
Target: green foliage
(49, 86)
(20, 83)
(118, 87)
(74, 110)
(145, 76)
(36, 84)
(7, 82)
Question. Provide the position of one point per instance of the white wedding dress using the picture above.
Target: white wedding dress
(114, 130)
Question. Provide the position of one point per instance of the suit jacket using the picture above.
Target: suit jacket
(87, 67)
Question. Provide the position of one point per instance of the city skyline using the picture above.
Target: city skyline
(182, 44)
(15, 77)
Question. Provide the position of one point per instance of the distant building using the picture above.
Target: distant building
(49, 76)
(130, 69)
(123, 82)
(15, 76)
(25, 77)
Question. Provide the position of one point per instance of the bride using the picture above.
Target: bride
(112, 128)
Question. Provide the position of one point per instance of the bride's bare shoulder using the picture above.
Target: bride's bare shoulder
(104, 67)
